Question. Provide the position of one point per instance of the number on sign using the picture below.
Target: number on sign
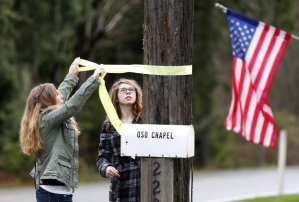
(156, 172)
(156, 187)
(156, 169)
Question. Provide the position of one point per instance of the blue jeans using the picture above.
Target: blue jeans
(45, 196)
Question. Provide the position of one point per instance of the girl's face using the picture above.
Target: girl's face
(126, 94)
(59, 99)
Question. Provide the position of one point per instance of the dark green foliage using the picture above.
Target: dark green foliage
(204, 76)
(46, 36)
(12, 80)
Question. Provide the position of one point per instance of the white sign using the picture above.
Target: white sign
(153, 140)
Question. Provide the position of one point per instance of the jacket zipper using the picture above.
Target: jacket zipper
(73, 189)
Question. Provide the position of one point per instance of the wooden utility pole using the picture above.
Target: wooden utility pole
(168, 40)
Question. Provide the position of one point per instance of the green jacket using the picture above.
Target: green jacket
(59, 157)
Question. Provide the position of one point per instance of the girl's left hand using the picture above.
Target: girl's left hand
(74, 68)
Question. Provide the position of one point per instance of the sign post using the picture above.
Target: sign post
(168, 41)
(152, 140)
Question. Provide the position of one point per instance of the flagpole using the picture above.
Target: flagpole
(223, 9)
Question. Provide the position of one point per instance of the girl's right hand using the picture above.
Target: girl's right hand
(111, 172)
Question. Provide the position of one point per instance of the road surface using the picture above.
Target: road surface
(216, 186)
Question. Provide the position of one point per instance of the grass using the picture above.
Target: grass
(281, 198)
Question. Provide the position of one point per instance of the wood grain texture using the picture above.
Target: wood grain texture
(157, 178)
(168, 40)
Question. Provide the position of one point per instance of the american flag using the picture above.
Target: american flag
(257, 50)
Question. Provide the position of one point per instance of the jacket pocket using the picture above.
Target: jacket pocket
(69, 133)
(64, 168)
(69, 126)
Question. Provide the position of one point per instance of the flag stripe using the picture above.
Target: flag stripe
(258, 85)
(238, 127)
(250, 102)
(281, 49)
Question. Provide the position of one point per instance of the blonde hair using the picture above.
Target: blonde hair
(41, 98)
(137, 108)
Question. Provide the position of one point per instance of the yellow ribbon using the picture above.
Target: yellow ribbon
(108, 106)
(141, 69)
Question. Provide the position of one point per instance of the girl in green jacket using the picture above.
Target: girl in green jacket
(49, 132)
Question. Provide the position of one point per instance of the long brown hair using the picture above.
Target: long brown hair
(137, 108)
(41, 98)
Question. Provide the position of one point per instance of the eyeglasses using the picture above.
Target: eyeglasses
(126, 90)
